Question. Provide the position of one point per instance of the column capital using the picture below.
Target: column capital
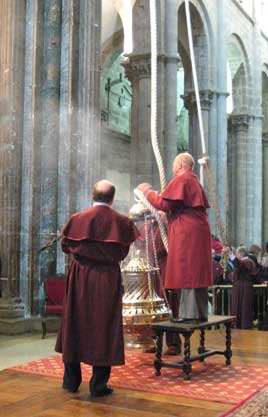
(206, 97)
(240, 121)
(137, 66)
(265, 138)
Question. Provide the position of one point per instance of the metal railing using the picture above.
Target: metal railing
(221, 300)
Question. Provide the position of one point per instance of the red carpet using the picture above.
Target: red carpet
(210, 381)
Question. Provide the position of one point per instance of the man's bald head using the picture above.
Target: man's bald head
(183, 161)
(103, 192)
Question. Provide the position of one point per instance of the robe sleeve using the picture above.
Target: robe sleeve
(161, 203)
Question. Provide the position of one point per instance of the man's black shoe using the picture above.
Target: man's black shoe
(106, 391)
(70, 389)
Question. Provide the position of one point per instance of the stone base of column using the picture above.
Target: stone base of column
(11, 308)
(10, 327)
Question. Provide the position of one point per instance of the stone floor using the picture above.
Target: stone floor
(15, 350)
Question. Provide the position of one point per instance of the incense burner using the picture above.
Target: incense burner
(142, 305)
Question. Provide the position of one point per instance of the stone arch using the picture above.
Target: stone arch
(203, 40)
(237, 60)
(115, 89)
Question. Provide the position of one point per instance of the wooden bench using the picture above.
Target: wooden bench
(186, 330)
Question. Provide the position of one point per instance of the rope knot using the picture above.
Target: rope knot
(203, 160)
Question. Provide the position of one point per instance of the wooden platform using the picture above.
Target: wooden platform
(187, 329)
(23, 395)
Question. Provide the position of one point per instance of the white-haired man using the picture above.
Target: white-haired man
(189, 263)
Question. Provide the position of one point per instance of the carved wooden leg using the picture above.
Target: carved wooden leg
(44, 328)
(228, 352)
(158, 353)
(201, 348)
(187, 367)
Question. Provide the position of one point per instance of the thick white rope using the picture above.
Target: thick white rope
(140, 198)
(158, 157)
(199, 112)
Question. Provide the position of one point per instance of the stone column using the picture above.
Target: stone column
(12, 35)
(138, 71)
(238, 190)
(171, 67)
(206, 97)
(30, 198)
(50, 134)
(88, 118)
(265, 188)
(68, 114)
(221, 173)
(254, 144)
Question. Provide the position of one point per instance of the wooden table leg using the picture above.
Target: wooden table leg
(228, 352)
(187, 367)
(158, 353)
(201, 348)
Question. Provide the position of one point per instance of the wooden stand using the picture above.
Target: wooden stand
(186, 330)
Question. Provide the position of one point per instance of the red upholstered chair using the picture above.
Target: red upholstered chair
(54, 289)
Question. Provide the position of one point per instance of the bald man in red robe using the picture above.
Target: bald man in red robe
(91, 329)
(189, 263)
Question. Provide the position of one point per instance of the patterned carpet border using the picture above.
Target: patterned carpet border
(256, 405)
(209, 380)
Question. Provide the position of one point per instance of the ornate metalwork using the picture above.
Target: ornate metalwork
(141, 304)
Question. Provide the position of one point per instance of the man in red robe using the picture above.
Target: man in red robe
(91, 329)
(189, 263)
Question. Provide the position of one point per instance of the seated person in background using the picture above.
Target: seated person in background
(264, 269)
(221, 276)
(216, 245)
(242, 291)
(255, 255)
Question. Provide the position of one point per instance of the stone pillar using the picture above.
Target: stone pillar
(50, 134)
(254, 144)
(30, 198)
(265, 188)
(88, 118)
(12, 35)
(221, 173)
(171, 68)
(195, 145)
(254, 179)
(68, 114)
(138, 71)
(238, 190)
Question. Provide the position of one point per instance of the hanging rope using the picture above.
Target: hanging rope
(199, 112)
(139, 194)
(153, 24)
(142, 199)
(204, 161)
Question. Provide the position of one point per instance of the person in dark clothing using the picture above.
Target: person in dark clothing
(91, 329)
(242, 291)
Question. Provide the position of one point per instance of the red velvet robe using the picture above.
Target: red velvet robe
(91, 329)
(189, 263)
